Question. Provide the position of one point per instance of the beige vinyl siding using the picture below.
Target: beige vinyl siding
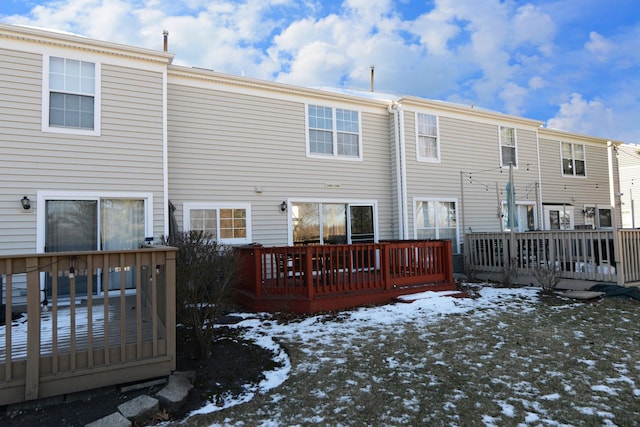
(577, 191)
(471, 147)
(223, 144)
(127, 157)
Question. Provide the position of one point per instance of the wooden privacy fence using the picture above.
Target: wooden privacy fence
(328, 277)
(580, 254)
(89, 319)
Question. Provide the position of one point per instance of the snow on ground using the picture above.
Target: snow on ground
(400, 364)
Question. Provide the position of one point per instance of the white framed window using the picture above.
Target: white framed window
(228, 223)
(558, 217)
(597, 217)
(525, 216)
(427, 141)
(437, 219)
(332, 221)
(333, 132)
(71, 96)
(508, 147)
(574, 161)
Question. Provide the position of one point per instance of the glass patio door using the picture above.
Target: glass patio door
(71, 225)
(97, 224)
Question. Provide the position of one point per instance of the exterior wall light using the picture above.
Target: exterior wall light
(283, 207)
(26, 203)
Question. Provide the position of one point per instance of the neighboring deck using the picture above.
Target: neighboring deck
(576, 255)
(314, 278)
(125, 335)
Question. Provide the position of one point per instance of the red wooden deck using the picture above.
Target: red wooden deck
(310, 279)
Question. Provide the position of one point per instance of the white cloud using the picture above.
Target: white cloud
(582, 116)
(503, 55)
(598, 46)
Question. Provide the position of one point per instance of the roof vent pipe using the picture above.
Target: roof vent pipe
(165, 34)
(373, 67)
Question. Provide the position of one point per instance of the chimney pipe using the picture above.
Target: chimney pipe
(373, 67)
(165, 33)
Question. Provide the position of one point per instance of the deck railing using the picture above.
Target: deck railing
(577, 254)
(316, 272)
(630, 254)
(88, 320)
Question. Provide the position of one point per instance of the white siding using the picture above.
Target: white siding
(127, 157)
(223, 144)
(593, 189)
(471, 147)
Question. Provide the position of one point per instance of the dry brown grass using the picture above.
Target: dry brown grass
(542, 362)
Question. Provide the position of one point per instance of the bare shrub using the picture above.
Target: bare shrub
(509, 273)
(547, 276)
(205, 276)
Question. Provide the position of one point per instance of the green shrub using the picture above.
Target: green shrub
(205, 274)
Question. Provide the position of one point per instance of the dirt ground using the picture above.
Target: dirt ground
(234, 363)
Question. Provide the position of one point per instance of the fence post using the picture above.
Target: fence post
(170, 304)
(32, 380)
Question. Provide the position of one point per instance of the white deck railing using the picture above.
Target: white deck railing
(579, 254)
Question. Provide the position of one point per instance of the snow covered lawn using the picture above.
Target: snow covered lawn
(507, 358)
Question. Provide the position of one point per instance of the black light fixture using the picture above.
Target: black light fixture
(26, 203)
(283, 207)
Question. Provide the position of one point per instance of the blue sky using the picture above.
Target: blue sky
(574, 64)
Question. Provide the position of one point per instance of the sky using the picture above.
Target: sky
(572, 64)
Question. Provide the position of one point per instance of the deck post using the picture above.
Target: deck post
(447, 263)
(256, 270)
(32, 380)
(170, 305)
(386, 265)
(308, 271)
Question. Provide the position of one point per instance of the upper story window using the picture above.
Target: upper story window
(428, 146)
(334, 132)
(229, 224)
(508, 153)
(71, 97)
(573, 159)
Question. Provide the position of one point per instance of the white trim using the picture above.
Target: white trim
(43, 196)
(584, 150)
(420, 158)
(335, 155)
(348, 202)
(515, 147)
(97, 97)
(187, 207)
(565, 209)
(503, 209)
(437, 227)
(165, 156)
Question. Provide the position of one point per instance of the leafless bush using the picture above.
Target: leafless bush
(547, 276)
(509, 272)
(205, 275)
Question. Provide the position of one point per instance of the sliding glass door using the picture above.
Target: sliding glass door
(89, 225)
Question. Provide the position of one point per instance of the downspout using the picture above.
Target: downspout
(539, 189)
(393, 108)
(617, 250)
(403, 174)
(165, 157)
